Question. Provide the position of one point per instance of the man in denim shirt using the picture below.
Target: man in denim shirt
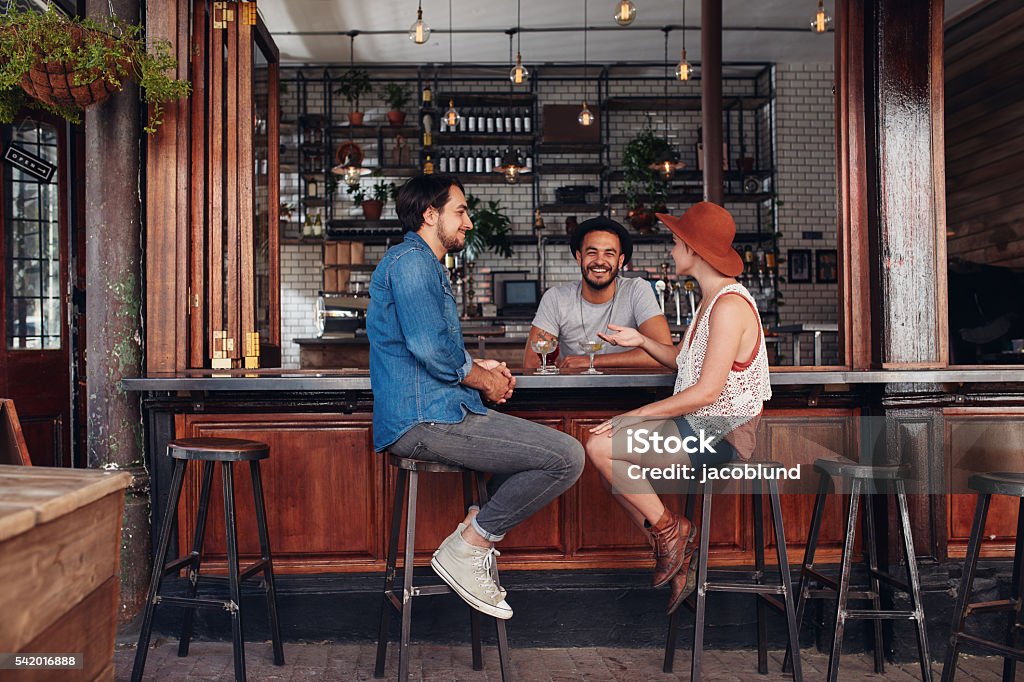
(427, 392)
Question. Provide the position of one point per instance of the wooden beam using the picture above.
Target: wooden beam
(711, 98)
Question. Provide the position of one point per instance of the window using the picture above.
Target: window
(32, 244)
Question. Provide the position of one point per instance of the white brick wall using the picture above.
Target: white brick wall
(805, 165)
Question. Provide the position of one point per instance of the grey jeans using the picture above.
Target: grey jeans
(534, 463)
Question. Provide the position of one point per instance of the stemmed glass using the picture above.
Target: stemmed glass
(544, 346)
(592, 347)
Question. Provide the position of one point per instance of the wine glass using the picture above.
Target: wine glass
(592, 347)
(544, 346)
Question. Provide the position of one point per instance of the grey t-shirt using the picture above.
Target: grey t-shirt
(564, 313)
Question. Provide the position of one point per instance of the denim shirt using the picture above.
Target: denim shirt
(417, 357)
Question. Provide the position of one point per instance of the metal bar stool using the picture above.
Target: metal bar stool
(861, 475)
(752, 582)
(987, 485)
(227, 451)
(407, 483)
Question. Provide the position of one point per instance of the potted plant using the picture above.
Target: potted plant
(354, 84)
(372, 201)
(396, 96)
(645, 189)
(63, 64)
(491, 229)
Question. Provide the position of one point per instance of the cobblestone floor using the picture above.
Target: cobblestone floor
(439, 663)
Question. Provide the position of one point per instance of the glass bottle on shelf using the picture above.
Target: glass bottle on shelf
(499, 122)
(481, 122)
(526, 120)
(462, 162)
(479, 161)
(471, 125)
(517, 123)
(453, 163)
(307, 226)
(428, 96)
(428, 166)
(508, 122)
(443, 163)
(444, 124)
(318, 226)
(462, 123)
(428, 127)
(490, 121)
(489, 161)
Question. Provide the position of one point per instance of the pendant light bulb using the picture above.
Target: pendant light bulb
(419, 32)
(586, 117)
(519, 73)
(683, 68)
(822, 20)
(625, 12)
(451, 117)
(352, 175)
(511, 174)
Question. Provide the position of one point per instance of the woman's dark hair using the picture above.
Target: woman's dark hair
(420, 193)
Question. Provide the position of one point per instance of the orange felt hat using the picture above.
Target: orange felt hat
(709, 230)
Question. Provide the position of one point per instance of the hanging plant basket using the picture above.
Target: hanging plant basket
(61, 84)
(63, 64)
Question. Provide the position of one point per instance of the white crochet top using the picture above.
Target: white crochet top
(746, 388)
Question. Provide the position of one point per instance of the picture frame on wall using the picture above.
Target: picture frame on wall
(799, 266)
(826, 266)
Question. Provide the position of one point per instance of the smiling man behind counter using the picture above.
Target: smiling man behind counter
(577, 311)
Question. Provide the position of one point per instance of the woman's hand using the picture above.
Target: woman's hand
(626, 419)
(626, 337)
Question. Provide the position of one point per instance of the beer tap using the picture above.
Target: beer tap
(675, 298)
(659, 289)
(688, 285)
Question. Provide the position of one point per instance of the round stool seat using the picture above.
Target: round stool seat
(998, 483)
(411, 464)
(847, 468)
(218, 449)
(740, 463)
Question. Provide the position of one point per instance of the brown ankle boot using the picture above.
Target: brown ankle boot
(669, 547)
(682, 584)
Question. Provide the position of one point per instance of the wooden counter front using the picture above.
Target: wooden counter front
(329, 499)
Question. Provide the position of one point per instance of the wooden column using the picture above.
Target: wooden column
(711, 97)
(906, 182)
(113, 227)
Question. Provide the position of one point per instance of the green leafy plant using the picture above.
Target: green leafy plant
(491, 228)
(91, 57)
(354, 84)
(644, 187)
(396, 96)
(380, 191)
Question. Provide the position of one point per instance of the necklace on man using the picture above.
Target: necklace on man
(606, 318)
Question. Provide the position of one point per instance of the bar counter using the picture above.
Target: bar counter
(329, 495)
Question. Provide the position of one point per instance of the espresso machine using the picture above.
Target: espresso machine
(340, 315)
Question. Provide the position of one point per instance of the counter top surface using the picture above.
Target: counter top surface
(359, 380)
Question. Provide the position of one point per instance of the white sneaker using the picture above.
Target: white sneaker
(468, 570)
(494, 565)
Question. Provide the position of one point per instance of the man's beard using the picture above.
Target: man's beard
(450, 241)
(613, 274)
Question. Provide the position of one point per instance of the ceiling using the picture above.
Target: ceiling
(784, 34)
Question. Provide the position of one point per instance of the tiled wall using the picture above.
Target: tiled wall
(805, 186)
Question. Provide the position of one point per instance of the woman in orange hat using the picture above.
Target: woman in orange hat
(721, 385)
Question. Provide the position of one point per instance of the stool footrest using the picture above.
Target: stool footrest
(989, 606)
(826, 593)
(179, 563)
(191, 603)
(889, 579)
(821, 578)
(257, 567)
(1001, 649)
(744, 588)
(773, 602)
(871, 614)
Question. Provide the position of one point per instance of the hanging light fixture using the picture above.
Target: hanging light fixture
(668, 161)
(519, 73)
(683, 67)
(451, 117)
(585, 118)
(511, 165)
(419, 32)
(625, 12)
(822, 20)
(349, 156)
